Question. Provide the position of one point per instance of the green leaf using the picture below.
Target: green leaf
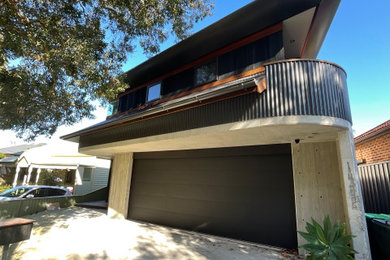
(320, 233)
(308, 237)
(327, 228)
(313, 248)
(328, 242)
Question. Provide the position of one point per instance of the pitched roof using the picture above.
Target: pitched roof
(11, 159)
(19, 149)
(373, 132)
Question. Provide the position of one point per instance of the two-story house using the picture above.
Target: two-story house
(237, 131)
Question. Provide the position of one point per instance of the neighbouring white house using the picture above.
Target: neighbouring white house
(59, 164)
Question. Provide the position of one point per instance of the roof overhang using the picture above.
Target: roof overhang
(194, 98)
(246, 21)
(307, 22)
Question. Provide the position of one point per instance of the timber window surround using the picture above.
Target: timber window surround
(233, 62)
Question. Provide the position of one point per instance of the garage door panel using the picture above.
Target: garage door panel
(182, 171)
(243, 193)
(209, 192)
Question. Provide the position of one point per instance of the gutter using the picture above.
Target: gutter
(197, 97)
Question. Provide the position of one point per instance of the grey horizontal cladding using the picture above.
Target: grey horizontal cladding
(294, 87)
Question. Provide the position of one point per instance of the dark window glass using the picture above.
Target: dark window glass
(55, 192)
(206, 73)
(15, 192)
(38, 193)
(179, 82)
(132, 100)
(251, 56)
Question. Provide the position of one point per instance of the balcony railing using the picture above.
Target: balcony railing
(306, 87)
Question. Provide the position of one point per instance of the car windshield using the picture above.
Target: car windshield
(15, 192)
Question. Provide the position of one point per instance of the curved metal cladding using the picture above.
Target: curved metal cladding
(294, 87)
(306, 87)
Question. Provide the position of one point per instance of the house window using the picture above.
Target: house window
(87, 174)
(153, 92)
(206, 73)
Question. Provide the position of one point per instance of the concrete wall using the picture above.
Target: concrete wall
(118, 198)
(374, 150)
(325, 179)
(317, 184)
(353, 196)
(326, 183)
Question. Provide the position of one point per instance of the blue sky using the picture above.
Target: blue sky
(358, 40)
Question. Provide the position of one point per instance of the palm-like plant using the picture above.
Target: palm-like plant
(327, 243)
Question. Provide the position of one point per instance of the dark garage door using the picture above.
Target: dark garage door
(244, 193)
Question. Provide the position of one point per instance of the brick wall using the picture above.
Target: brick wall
(376, 149)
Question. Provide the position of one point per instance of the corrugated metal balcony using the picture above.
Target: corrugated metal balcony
(306, 87)
(293, 88)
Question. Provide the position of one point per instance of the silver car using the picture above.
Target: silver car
(28, 192)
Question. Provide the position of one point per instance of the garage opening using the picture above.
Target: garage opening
(245, 193)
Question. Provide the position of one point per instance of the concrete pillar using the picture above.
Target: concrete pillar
(354, 209)
(78, 180)
(24, 180)
(30, 169)
(16, 176)
(118, 202)
(37, 178)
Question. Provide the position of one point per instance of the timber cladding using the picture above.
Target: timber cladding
(244, 193)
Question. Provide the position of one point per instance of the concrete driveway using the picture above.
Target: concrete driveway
(79, 233)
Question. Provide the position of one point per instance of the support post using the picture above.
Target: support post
(37, 178)
(30, 169)
(353, 195)
(16, 176)
(78, 180)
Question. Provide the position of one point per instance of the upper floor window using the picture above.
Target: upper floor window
(87, 174)
(206, 73)
(153, 92)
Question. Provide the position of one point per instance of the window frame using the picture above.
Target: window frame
(147, 92)
(90, 174)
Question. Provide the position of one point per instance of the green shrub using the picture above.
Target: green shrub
(5, 187)
(2, 155)
(327, 243)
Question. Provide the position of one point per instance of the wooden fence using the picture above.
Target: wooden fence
(375, 184)
(23, 207)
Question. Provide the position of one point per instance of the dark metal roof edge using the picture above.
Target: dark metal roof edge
(205, 30)
(320, 26)
(322, 61)
(232, 18)
(186, 100)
